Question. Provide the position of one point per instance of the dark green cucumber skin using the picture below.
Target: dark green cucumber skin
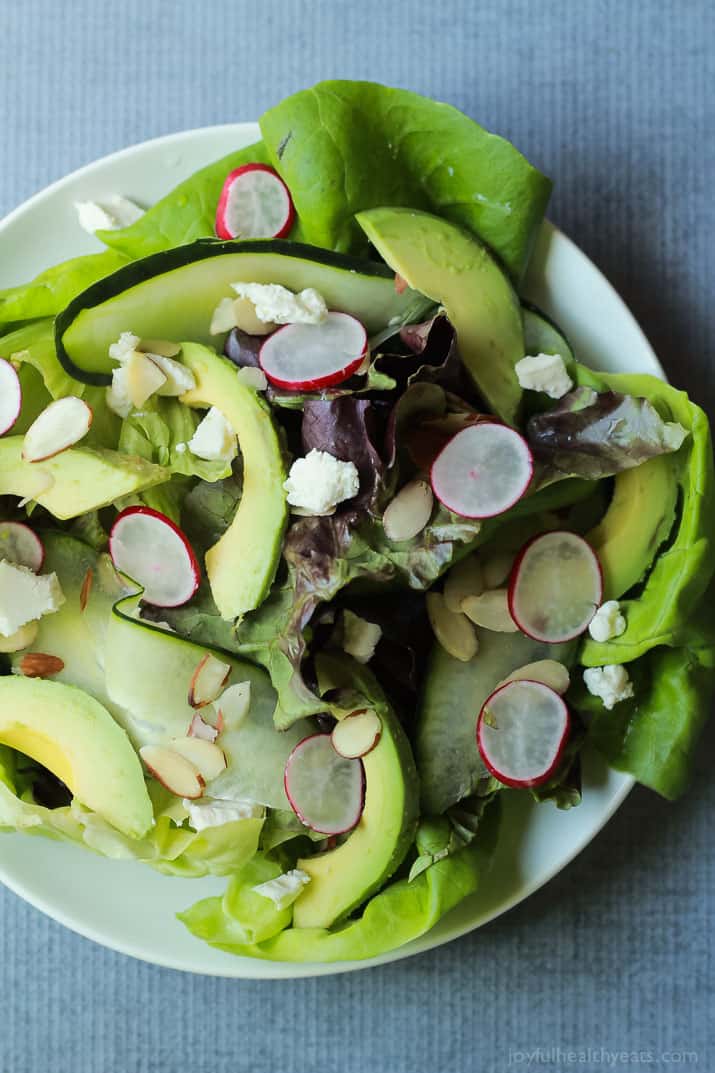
(529, 307)
(137, 272)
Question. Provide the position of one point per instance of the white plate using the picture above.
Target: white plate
(127, 906)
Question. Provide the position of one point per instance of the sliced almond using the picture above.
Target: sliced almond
(60, 425)
(86, 591)
(201, 729)
(163, 347)
(409, 511)
(144, 378)
(205, 756)
(547, 671)
(453, 630)
(357, 734)
(401, 283)
(463, 580)
(208, 680)
(234, 706)
(224, 318)
(22, 638)
(40, 665)
(496, 567)
(178, 379)
(491, 611)
(173, 771)
(247, 320)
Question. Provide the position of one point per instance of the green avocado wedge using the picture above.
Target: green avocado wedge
(456, 270)
(660, 613)
(173, 294)
(344, 877)
(76, 481)
(75, 737)
(242, 565)
(639, 519)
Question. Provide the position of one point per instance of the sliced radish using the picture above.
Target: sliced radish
(357, 734)
(63, 423)
(205, 756)
(147, 547)
(484, 470)
(10, 396)
(325, 790)
(521, 732)
(208, 680)
(203, 730)
(173, 771)
(254, 203)
(312, 356)
(556, 587)
(21, 545)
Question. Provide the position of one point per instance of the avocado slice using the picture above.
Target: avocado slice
(242, 565)
(344, 877)
(639, 518)
(173, 294)
(75, 737)
(453, 268)
(77, 480)
(148, 674)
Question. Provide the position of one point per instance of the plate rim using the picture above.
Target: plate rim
(247, 968)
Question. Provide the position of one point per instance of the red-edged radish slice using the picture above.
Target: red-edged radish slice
(62, 424)
(173, 771)
(357, 734)
(147, 547)
(208, 680)
(521, 732)
(206, 757)
(21, 545)
(325, 790)
(556, 587)
(10, 396)
(311, 356)
(254, 203)
(483, 471)
(200, 729)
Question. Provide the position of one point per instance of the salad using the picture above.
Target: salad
(316, 539)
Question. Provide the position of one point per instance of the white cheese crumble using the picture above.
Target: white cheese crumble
(214, 812)
(360, 638)
(124, 347)
(673, 435)
(608, 622)
(318, 482)
(275, 304)
(214, 439)
(25, 596)
(283, 890)
(116, 212)
(544, 372)
(611, 683)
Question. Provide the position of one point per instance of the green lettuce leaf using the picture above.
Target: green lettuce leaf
(660, 614)
(403, 911)
(654, 735)
(187, 213)
(55, 288)
(168, 848)
(347, 146)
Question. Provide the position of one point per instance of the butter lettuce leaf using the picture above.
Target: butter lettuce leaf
(185, 214)
(55, 288)
(403, 911)
(661, 612)
(347, 146)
